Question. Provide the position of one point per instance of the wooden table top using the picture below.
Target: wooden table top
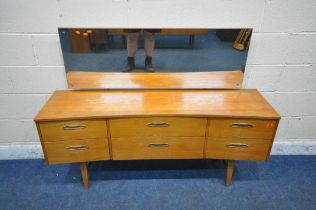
(82, 104)
(179, 80)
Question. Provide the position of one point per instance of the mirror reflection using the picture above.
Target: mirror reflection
(154, 50)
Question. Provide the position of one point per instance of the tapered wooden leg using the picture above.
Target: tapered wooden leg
(84, 174)
(229, 172)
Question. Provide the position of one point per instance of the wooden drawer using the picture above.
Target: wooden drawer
(238, 149)
(158, 126)
(76, 151)
(71, 130)
(242, 128)
(157, 148)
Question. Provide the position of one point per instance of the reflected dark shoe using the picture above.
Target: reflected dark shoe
(148, 64)
(130, 66)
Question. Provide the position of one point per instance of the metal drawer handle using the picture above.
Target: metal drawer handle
(74, 127)
(237, 145)
(158, 145)
(77, 147)
(241, 125)
(158, 124)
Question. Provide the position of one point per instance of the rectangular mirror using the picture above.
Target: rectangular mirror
(154, 58)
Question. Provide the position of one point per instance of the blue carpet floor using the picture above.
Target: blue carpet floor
(285, 182)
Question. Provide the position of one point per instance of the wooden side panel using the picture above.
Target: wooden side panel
(77, 151)
(237, 149)
(157, 148)
(273, 138)
(242, 128)
(74, 129)
(157, 126)
(41, 140)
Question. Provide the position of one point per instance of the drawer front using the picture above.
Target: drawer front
(157, 148)
(158, 126)
(242, 128)
(76, 151)
(71, 130)
(238, 149)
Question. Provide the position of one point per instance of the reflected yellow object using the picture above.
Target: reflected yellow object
(241, 42)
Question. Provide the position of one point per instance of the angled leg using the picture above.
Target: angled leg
(229, 172)
(84, 174)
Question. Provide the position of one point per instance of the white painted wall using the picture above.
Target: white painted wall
(281, 63)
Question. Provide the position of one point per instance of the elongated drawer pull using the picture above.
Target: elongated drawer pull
(77, 147)
(158, 145)
(236, 145)
(158, 124)
(241, 125)
(74, 127)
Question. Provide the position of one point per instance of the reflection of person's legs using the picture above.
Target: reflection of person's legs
(149, 43)
(132, 45)
(149, 46)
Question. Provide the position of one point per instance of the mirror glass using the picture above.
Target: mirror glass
(114, 50)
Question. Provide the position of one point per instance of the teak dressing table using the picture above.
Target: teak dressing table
(79, 126)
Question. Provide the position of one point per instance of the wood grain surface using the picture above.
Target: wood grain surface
(189, 80)
(87, 150)
(238, 128)
(158, 126)
(74, 129)
(72, 104)
(132, 148)
(256, 149)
